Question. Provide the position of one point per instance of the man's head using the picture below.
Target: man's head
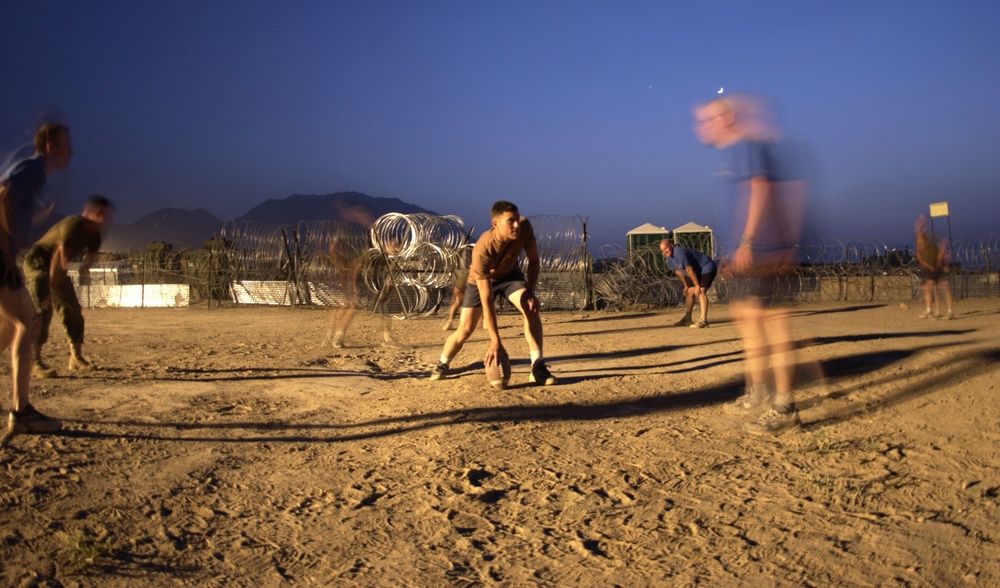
(667, 246)
(52, 141)
(506, 220)
(726, 120)
(713, 123)
(98, 209)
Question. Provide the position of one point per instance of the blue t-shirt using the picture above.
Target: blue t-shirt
(682, 258)
(24, 182)
(781, 222)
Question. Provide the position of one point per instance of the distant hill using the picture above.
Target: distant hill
(191, 228)
(299, 207)
(181, 228)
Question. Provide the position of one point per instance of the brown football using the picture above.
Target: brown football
(498, 372)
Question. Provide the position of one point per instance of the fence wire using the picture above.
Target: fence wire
(404, 265)
(832, 270)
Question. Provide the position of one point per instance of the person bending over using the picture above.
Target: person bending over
(51, 289)
(494, 269)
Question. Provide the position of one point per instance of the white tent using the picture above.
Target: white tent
(695, 236)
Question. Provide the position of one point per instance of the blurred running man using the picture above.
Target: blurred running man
(494, 269)
(20, 186)
(767, 222)
(696, 272)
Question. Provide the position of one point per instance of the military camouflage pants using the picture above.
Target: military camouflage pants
(62, 296)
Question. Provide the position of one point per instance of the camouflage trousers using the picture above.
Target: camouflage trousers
(48, 296)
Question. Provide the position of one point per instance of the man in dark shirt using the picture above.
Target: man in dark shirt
(51, 289)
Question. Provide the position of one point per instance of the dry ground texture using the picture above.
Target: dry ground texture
(237, 447)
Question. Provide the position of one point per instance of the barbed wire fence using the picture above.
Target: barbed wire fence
(405, 266)
(828, 271)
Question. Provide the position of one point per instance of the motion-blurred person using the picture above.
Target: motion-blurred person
(347, 257)
(934, 261)
(494, 269)
(45, 270)
(20, 186)
(769, 204)
(696, 271)
(457, 294)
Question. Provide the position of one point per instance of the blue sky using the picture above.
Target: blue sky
(573, 108)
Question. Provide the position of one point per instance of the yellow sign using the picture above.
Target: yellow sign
(939, 209)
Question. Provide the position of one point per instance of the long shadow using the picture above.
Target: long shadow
(949, 374)
(635, 352)
(708, 396)
(623, 317)
(567, 411)
(837, 310)
(538, 413)
(239, 374)
(878, 336)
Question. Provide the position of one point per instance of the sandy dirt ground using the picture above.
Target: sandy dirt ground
(237, 447)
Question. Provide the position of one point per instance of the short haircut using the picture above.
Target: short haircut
(47, 134)
(96, 201)
(502, 207)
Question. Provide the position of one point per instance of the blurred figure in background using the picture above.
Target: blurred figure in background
(347, 256)
(934, 259)
(696, 272)
(46, 268)
(457, 294)
(20, 187)
(767, 222)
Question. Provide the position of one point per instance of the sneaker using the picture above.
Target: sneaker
(950, 316)
(927, 314)
(440, 370)
(448, 325)
(541, 374)
(773, 422)
(30, 420)
(338, 341)
(699, 324)
(749, 402)
(684, 322)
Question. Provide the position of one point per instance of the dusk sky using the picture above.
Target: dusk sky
(563, 107)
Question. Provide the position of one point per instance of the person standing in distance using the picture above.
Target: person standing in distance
(696, 272)
(494, 269)
(20, 186)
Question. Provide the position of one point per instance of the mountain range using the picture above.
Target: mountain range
(191, 228)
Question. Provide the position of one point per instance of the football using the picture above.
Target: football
(498, 372)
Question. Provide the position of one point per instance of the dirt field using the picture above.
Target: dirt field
(236, 447)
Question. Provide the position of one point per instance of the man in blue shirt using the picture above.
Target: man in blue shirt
(20, 186)
(696, 272)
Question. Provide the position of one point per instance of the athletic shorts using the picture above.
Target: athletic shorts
(509, 284)
(769, 289)
(704, 280)
(934, 275)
